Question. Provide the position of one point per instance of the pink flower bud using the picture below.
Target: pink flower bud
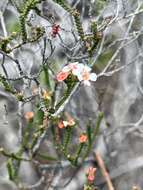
(83, 138)
(62, 76)
(91, 174)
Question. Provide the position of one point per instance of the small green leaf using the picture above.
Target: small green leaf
(11, 170)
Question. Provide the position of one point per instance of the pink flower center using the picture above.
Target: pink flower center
(73, 66)
(85, 75)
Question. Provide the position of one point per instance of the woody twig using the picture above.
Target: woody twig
(104, 171)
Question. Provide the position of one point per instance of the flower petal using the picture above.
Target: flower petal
(93, 77)
(79, 76)
(75, 72)
(66, 69)
(73, 66)
(62, 76)
(86, 82)
(87, 68)
(80, 67)
(65, 123)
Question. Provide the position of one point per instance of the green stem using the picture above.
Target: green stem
(36, 137)
(30, 4)
(91, 137)
(65, 96)
(78, 153)
(46, 73)
(47, 157)
(78, 24)
(67, 137)
(13, 165)
(98, 122)
(15, 156)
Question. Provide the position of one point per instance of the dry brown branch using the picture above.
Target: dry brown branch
(104, 171)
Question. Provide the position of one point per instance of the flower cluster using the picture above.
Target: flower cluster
(81, 71)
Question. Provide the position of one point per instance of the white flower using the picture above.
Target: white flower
(83, 74)
(93, 77)
(66, 69)
(65, 123)
(71, 67)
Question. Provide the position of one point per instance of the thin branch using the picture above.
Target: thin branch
(104, 171)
